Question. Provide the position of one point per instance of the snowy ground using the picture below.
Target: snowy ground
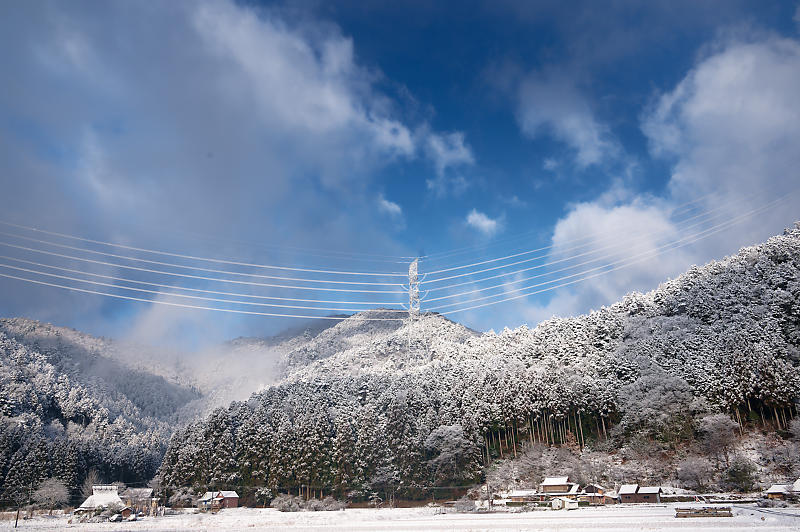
(640, 517)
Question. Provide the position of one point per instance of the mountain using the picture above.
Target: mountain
(72, 403)
(378, 407)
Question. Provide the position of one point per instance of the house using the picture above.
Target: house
(784, 491)
(633, 493)
(649, 494)
(779, 491)
(103, 496)
(139, 499)
(558, 487)
(218, 499)
(563, 503)
(522, 495)
(593, 494)
(555, 485)
(627, 493)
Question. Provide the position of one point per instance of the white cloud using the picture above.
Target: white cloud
(550, 164)
(553, 105)
(389, 207)
(731, 128)
(485, 225)
(448, 150)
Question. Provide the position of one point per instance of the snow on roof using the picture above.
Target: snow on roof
(779, 488)
(796, 485)
(574, 488)
(628, 489)
(555, 481)
(598, 486)
(138, 493)
(521, 493)
(207, 496)
(101, 497)
(650, 490)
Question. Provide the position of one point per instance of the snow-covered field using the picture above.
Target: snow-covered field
(650, 517)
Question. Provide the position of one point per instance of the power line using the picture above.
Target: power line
(531, 259)
(191, 257)
(433, 257)
(200, 277)
(176, 287)
(565, 268)
(158, 292)
(723, 227)
(181, 305)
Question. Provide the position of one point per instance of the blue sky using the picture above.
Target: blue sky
(247, 130)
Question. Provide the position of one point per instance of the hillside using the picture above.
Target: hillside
(72, 403)
(392, 412)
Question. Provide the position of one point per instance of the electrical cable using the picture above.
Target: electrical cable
(200, 277)
(181, 305)
(722, 228)
(177, 287)
(158, 292)
(565, 268)
(191, 257)
(531, 259)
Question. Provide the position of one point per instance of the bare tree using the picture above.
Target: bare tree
(92, 479)
(695, 473)
(51, 493)
(719, 434)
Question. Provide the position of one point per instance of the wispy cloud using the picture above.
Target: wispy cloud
(447, 152)
(551, 104)
(389, 207)
(482, 223)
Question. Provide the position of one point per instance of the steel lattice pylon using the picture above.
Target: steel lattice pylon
(413, 289)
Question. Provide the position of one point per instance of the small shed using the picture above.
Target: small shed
(563, 503)
(649, 494)
(627, 492)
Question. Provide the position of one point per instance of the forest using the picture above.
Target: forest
(370, 410)
(408, 410)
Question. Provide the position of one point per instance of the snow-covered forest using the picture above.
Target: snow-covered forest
(367, 408)
(72, 404)
(396, 410)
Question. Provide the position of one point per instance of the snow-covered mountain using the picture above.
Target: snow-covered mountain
(365, 407)
(361, 405)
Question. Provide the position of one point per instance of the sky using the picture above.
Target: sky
(625, 141)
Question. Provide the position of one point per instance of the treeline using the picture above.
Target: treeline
(721, 338)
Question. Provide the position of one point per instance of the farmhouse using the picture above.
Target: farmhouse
(559, 487)
(218, 499)
(139, 499)
(784, 491)
(596, 494)
(103, 496)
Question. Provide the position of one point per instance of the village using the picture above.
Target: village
(111, 503)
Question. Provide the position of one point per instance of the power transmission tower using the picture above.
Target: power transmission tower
(413, 298)
(413, 289)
